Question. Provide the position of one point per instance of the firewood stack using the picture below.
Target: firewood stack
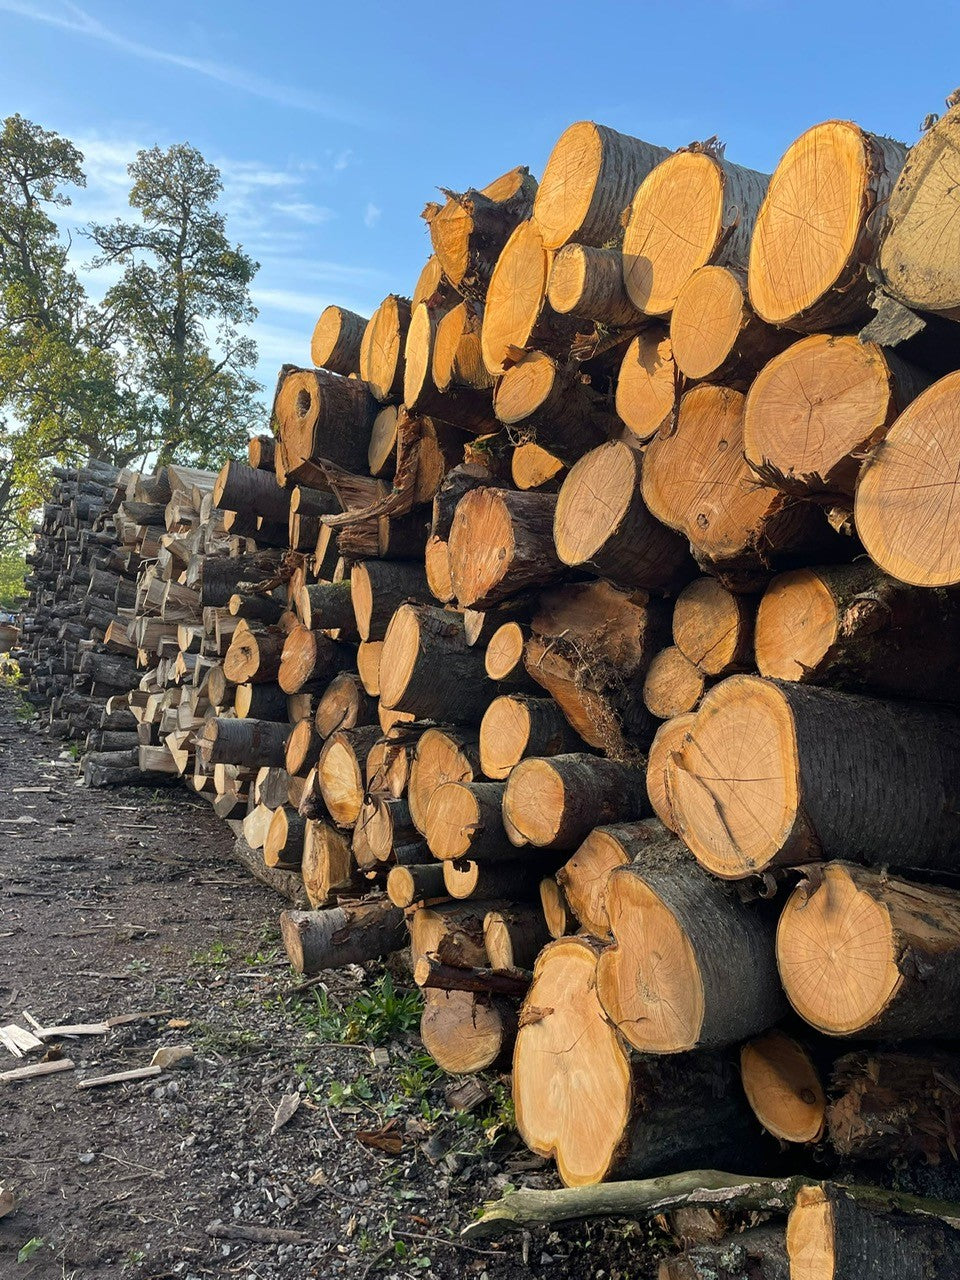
(600, 641)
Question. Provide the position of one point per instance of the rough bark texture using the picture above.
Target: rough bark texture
(501, 543)
(556, 803)
(428, 669)
(350, 934)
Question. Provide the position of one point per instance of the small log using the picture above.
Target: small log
(648, 384)
(349, 934)
(457, 359)
(784, 1088)
(320, 415)
(419, 883)
(431, 284)
(454, 934)
(583, 877)
(251, 743)
(303, 748)
(714, 628)
(287, 883)
(327, 606)
(436, 558)
(715, 334)
(863, 953)
(388, 767)
(465, 1033)
(344, 704)
(464, 407)
(614, 533)
(534, 468)
(588, 283)
(249, 489)
(327, 862)
(379, 587)
(667, 740)
(308, 656)
(501, 543)
(283, 846)
(441, 756)
(381, 348)
(387, 823)
(340, 774)
(515, 726)
(261, 451)
(368, 666)
(258, 702)
(517, 315)
(463, 820)
(557, 915)
(335, 344)
(556, 803)
(254, 656)
(479, 880)
(514, 936)
(553, 404)
(431, 975)
(673, 685)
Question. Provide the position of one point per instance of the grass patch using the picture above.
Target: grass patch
(373, 1017)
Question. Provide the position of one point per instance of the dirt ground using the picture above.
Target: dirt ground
(129, 901)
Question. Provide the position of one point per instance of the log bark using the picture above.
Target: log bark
(819, 407)
(907, 489)
(693, 210)
(830, 1234)
(251, 743)
(500, 544)
(442, 755)
(453, 934)
(320, 415)
(516, 726)
(759, 1253)
(247, 489)
(784, 1087)
(714, 628)
(428, 669)
(648, 384)
(381, 349)
(900, 766)
(673, 685)
(350, 934)
(863, 953)
(335, 344)
(463, 820)
(553, 404)
(259, 702)
(853, 626)
(379, 587)
(327, 606)
(714, 332)
(556, 803)
(820, 227)
(602, 521)
(679, 938)
(589, 180)
(465, 1033)
(600, 1111)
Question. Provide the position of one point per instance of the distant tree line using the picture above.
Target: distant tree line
(160, 368)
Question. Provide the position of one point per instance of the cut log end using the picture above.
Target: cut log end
(783, 1087)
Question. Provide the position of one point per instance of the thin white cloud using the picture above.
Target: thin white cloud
(343, 160)
(372, 214)
(314, 215)
(302, 304)
(72, 18)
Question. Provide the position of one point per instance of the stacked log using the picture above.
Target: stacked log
(447, 684)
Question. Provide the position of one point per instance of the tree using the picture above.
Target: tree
(184, 292)
(59, 374)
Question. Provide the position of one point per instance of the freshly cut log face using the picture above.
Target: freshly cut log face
(515, 726)
(381, 350)
(457, 358)
(464, 821)
(817, 231)
(344, 704)
(907, 509)
(436, 560)
(863, 953)
(327, 862)
(501, 543)
(465, 1033)
(427, 668)
(382, 450)
(667, 740)
(556, 803)
(516, 314)
(831, 1236)
(692, 210)
(714, 332)
(753, 783)
(714, 628)
(678, 939)
(674, 685)
(783, 1087)
(379, 587)
(504, 653)
(921, 248)
(854, 626)
(441, 756)
(648, 384)
(583, 877)
(534, 468)
(431, 285)
(335, 344)
(514, 936)
(590, 177)
(559, 919)
(602, 521)
(819, 407)
(340, 773)
(465, 407)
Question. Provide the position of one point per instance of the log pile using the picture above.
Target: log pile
(585, 623)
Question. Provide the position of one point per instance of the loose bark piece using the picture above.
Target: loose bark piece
(678, 937)
(667, 740)
(648, 386)
(853, 626)
(452, 933)
(692, 210)
(350, 934)
(590, 177)
(714, 332)
(817, 409)
(674, 685)
(582, 1098)
(463, 820)
(381, 348)
(713, 627)
(861, 952)
(379, 587)
(819, 229)
(753, 784)
(583, 877)
(906, 497)
(783, 1087)
(442, 755)
(555, 803)
(501, 543)
(759, 1253)
(428, 669)
(465, 1033)
(515, 726)
(602, 521)
(830, 1234)
(336, 340)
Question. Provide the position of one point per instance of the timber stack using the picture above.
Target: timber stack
(595, 635)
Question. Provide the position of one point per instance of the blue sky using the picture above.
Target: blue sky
(334, 124)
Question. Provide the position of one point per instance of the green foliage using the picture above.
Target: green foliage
(341, 1095)
(34, 1245)
(372, 1018)
(13, 566)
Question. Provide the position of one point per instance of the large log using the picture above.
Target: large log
(556, 803)
(818, 230)
(589, 180)
(428, 669)
(714, 332)
(853, 626)
(340, 772)
(691, 967)
(817, 409)
(320, 415)
(381, 349)
(350, 934)
(907, 494)
(694, 209)
(753, 784)
(863, 953)
(602, 521)
(600, 1111)
(335, 344)
(515, 726)
(501, 543)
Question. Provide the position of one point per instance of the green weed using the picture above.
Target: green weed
(372, 1018)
